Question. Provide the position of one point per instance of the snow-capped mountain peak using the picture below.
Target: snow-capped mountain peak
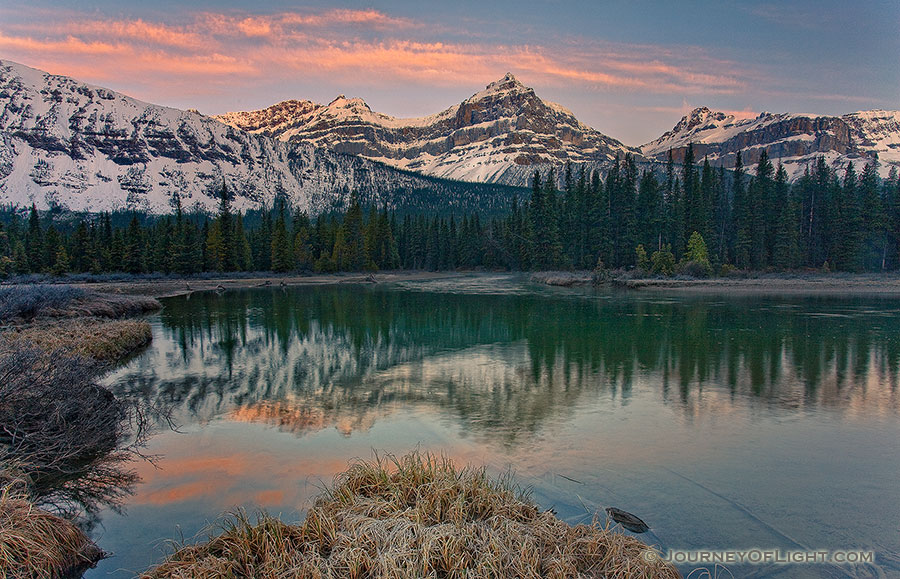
(794, 139)
(69, 144)
(498, 134)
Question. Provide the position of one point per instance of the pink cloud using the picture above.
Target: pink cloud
(344, 46)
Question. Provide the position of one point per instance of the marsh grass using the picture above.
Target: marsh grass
(37, 544)
(415, 516)
(105, 341)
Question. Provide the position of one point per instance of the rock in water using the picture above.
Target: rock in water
(627, 520)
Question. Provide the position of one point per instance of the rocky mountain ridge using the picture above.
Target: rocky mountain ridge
(500, 135)
(67, 144)
(796, 140)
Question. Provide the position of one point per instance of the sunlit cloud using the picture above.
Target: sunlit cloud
(344, 45)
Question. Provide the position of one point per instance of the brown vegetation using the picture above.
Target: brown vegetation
(105, 341)
(37, 544)
(417, 516)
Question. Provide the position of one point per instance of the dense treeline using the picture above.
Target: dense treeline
(691, 218)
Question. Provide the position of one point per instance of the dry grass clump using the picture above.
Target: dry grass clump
(37, 544)
(417, 516)
(100, 340)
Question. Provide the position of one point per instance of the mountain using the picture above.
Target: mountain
(499, 135)
(67, 144)
(794, 139)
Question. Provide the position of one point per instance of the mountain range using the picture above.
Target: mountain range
(794, 139)
(496, 135)
(68, 144)
(64, 143)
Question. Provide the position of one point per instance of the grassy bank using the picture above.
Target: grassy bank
(105, 341)
(416, 516)
(62, 436)
(37, 544)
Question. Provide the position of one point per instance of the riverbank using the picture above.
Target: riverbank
(171, 287)
(57, 425)
(765, 284)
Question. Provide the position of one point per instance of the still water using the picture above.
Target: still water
(724, 422)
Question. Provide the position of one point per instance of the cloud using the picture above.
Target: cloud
(233, 51)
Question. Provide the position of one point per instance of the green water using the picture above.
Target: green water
(723, 422)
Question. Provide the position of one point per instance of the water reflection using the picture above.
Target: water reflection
(716, 420)
(310, 358)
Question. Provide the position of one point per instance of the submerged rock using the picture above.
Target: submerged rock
(627, 520)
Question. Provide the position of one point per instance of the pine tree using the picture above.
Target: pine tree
(215, 248)
(760, 194)
(872, 220)
(786, 253)
(133, 257)
(354, 236)
(282, 259)
(225, 220)
(61, 264)
(34, 241)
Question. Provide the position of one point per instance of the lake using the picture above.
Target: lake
(725, 423)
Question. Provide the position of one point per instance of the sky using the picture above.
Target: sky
(630, 69)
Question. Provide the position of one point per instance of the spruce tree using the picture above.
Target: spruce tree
(34, 241)
(282, 259)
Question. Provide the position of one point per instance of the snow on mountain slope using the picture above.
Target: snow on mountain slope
(877, 132)
(65, 143)
(498, 135)
(794, 139)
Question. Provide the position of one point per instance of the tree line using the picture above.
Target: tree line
(692, 218)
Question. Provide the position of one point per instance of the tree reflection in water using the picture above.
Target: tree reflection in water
(316, 357)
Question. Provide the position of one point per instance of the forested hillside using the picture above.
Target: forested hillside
(694, 219)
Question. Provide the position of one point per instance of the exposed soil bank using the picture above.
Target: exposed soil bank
(836, 284)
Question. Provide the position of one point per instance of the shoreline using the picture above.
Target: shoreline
(166, 288)
(764, 284)
(839, 284)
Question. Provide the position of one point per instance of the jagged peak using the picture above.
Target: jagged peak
(342, 102)
(697, 117)
(509, 83)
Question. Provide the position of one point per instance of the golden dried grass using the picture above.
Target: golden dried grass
(36, 544)
(416, 516)
(101, 340)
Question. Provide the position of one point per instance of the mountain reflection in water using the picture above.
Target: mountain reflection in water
(721, 422)
(309, 358)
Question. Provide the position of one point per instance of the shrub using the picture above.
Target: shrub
(696, 269)
(663, 261)
(62, 432)
(643, 262)
(27, 302)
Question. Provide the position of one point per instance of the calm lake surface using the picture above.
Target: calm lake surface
(723, 422)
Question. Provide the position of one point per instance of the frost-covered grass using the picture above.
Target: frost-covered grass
(416, 516)
(29, 302)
